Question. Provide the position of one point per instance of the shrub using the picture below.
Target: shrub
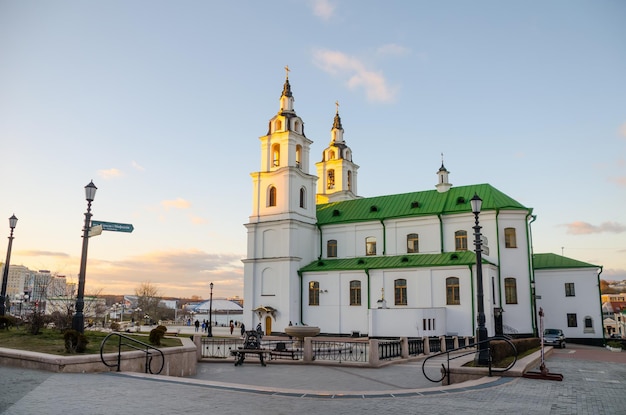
(157, 334)
(37, 321)
(614, 344)
(501, 349)
(7, 322)
(75, 342)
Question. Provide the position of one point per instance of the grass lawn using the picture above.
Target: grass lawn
(51, 341)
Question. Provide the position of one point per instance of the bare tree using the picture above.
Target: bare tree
(148, 299)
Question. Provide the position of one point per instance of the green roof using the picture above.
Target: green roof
(425, 203)
(460, 258)
(554, 261)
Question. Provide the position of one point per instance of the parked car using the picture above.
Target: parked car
(554, 337)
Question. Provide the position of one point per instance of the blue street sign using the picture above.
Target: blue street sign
(112, 226)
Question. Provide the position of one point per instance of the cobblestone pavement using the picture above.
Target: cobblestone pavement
(594, 383)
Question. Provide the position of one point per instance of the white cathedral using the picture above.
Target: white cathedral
(318, 254)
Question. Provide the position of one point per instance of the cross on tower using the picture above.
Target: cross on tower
(287, 70)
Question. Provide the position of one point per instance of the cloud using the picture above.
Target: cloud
(393, 49)
(584, 228)
(620, 181)
(42, 253)
(324, 9)
(355, 73)
(197, 220)
(622, 130)
(136, 166)
(176, 204)
(110, 173)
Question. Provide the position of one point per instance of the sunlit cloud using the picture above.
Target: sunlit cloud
(355, 74)
(324, 9)
(197, 220)
(584, 228)
(137, 166)
(176, 204)
(180, 273)
(393, 49)
(110, 173)
(613, 274)
(35, 253)
(620, 181)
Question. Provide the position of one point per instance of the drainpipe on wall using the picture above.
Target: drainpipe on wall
(384, 237)
(369, 288)
(531, 272)
(440, 232)
(499, 262)
(601, 314)
(321, 241)
(473, 299)
(300, 275)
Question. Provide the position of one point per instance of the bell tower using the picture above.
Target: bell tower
(281, 229)
(337, 173)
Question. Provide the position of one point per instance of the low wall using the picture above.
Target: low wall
(179, 361)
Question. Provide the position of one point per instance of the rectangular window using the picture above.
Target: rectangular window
(571, 320)
(460, 240)
(510, 290)
(510, 240)
(370, 245)
(355, 292)
(569, 289)
(412, 243)
(314, 293)
(453, 297)
(331, 248)
(400, 292)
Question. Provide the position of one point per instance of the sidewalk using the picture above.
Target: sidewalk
(594, 383)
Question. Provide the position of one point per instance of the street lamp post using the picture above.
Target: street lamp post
(5, 273)
(210, 328)
(78, 321)
(481, 332)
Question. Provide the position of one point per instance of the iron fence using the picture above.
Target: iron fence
(389, 349)
(416, 347)
(434, 344)
(340, 351)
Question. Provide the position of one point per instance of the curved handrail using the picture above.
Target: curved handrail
(132, 344)
(446, 370)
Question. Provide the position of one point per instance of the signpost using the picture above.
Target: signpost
(112, 226)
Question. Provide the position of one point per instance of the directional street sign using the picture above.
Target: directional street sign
(95, 230)
(112, 226)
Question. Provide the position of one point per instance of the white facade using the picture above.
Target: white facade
(332, 264)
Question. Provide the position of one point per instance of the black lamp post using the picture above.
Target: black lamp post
(78, 321)
(481, 331)
(5, 273)
(210, 328)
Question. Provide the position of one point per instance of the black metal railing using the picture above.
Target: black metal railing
(127, 341)
(218, 348)
(340, 351)
(389, 349)
(434, 344)
(416, 347)
(445, 369)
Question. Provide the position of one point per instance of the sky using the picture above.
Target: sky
(161, 104)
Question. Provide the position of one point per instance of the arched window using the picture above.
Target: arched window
(412, 243)
(278, 125)
(330, 182)
(355, 292)
(331, 155)
(370, 245)
(302, 197)
(453, 294)
(272, 197)
(349, 179)
(299, 156)
(296, 127)
(588, 327)
(331, 248)
(460, 240)
(399, 288)
(276, 155)
(510, 240)
(314, 293)
(510, 290)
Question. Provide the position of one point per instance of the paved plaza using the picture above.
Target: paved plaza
(594, 383)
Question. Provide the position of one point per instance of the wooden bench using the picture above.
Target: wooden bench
(251, 345)
(281, 350)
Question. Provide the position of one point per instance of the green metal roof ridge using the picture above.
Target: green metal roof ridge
(554, 261)
(460, 258)
(422, 203)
